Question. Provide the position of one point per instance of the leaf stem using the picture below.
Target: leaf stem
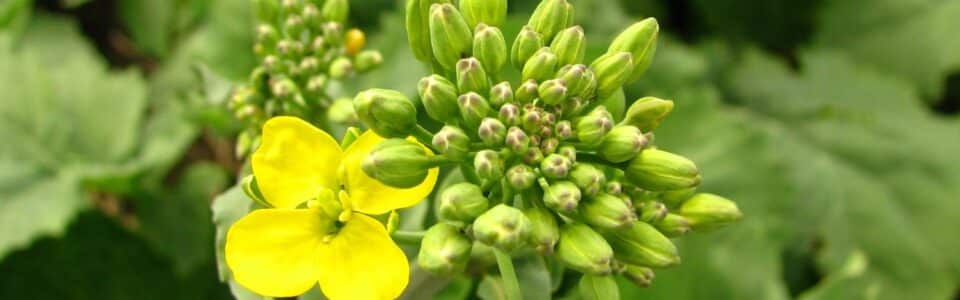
(509, 275)
(407, 237)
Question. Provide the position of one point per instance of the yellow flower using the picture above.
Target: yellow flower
(285, 250)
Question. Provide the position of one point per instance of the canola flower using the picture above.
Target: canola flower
(319, 226)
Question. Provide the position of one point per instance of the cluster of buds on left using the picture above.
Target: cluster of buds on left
(304, 50)
(547, 167)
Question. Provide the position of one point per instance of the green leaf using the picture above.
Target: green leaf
(914, 40)
(491, 288)
(458, 289)
(598, 287)
(227, 209)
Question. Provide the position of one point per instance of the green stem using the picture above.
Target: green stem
(509, 275)
(424, 136)
(407, 237)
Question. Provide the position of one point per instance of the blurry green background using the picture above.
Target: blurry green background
(833, 124)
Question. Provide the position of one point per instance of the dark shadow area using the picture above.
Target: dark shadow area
(98, 21)
(799, 266)
(950, 104)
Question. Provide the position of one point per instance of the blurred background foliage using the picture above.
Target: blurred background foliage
(832, 123)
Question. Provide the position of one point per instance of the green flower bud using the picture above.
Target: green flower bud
(367, 60)
(388, 113)
(588, 178)
(462, 202)
(501, 94)
(677, 197)
(471, 77)
(532, 120)
(533, 156)
(517, 140)
(450, 36)
(640, 39)
(641, 276)
(541, 66)
(439, 97)
(709, 211)
(490, 12)
(622, 143)
(335, 10)
(562, 197)
(341, 111)
(606, 211)
(570, 46)
(641, 244)
(594, 126)
(556, 166)
(550, 17)
(563, 130)
(452, 142)
(418, 28)
(553, 91)
(527, 43)
(473, 108)
(340, 68)
(289, 7)
(614, 188)
(549, 146)
(398, 163)
(503, 227)
(266, 11)
(444, 250)
(584, 250)
(657, 170)
(333, 33)
(311, 17)
(527, 92)
(580, 80)
(267, 36)
(490, 48)
(545, 233)
(673, 225)
(510, 114)
(592, 287)
(293, 26)
(652, 211)
(492, 132)
(569, 151)
(612, 71)
(521, 177)
(489, 165)
(647, 113)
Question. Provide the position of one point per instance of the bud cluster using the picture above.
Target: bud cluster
(304, 49)
(548, 167)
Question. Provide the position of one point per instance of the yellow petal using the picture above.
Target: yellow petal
(294, 162)
(273, 252)
(368, 195)
(362, 262)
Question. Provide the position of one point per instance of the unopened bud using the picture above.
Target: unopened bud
(533, 156)
(588, 178)
(368, 60)
(266, 11)
(490, 48)
(673, 225)
(641, 244)
(503, 227)
(294, 26)
(545, 233)
(569, 151)
(550, 17)
(335, 10)
(549, 146)
(489, 165)
(612, 71)
(492, 132)
(657, 170)
(444, 250)
(439, 97)
(501, 94)
(564, 130)
(541, 66)
(594, 126)
(570, 45)
(556, 166)
(462, 202)
(532, 120)
(640, 39)
(341, 112)
(607, 212)
(452, 142)
(562, 197)
(490, 12)
(641, 276)
(471, 77)
(677, 197)
(450, 36)
(398, 163)
(553, 91)
(652, 211)
(389, 113)
(418, 28)
(333, 33)
(580, 80)
(584, 250)
(622, 143)
(647, 113)
(527, 43)
(709, 211)
(521, 177)
(517, 140)
(527, 92)
(473, 108)
(340, 68)
(267, 36)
